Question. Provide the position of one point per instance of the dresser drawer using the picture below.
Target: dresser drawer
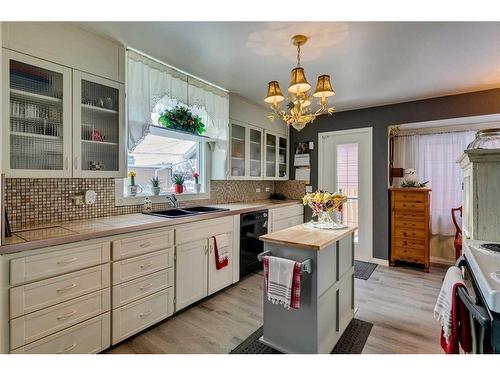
(34, 326)
(136, 316)
(35, 296)
(142, 244)
(409, 224)
(408, 254)
(410, 215)
(414, 206)
(132, 268)
(410, 233)
(410, 196)
(286, 212)
(142, 287)
(91, 336)
(409, 243)
(46, 265)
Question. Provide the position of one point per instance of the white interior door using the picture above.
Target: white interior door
(345, 162)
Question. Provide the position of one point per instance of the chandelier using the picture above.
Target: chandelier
(299, 112)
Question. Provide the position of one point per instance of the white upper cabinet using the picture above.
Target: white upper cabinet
(37, 117)
(97, 127)
(276, 156)
(246, 152)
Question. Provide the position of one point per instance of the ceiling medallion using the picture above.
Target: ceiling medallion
(299, 112)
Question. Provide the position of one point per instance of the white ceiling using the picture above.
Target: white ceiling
(370, 63)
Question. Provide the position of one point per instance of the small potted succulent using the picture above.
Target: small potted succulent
(155, 184)
(197, 185)
(178, 181)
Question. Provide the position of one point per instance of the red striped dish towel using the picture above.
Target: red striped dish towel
(287, 296)
(221, 246)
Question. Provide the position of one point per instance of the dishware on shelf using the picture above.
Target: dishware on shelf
(486, 139)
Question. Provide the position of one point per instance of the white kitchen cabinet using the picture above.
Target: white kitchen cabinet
(191, 279)
(257, 154)
(219, 279)
(276, 156)
(98, 127)
(36, 117)
(285, 217)
(62, 122)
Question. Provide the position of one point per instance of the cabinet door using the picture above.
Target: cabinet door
(219, 279)
(282, 158)
(37, 117)
(191, 273)
(98, 127)
(270, 158)
(238, 151)
(254, 153)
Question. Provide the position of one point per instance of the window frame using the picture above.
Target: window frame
(205, 166)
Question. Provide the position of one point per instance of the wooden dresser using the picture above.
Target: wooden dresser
(410, 229)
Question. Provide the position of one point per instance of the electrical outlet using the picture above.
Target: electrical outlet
(268, 189)
(257, 190)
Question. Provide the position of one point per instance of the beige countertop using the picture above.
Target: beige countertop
(73, 231)
(307, 237)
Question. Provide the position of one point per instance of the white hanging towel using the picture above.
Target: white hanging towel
(222, 243)
(279, 280)
(444, 304)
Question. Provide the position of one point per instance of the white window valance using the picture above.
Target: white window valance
(148, 81)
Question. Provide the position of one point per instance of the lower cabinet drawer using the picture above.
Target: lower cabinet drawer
(34, 326)
(287, 223)
(28, 298)
(136, 316)
(91, 336)
(142, 287)
(132, 268)
(287, 212)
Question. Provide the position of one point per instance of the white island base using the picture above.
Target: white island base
(327, 293)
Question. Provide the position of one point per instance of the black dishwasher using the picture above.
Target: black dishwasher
(252, 226)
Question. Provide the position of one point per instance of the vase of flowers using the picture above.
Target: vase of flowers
(178, 181)
(326, 206)
(155, 185)
(197, 185)
(133, 189)
(181, 118)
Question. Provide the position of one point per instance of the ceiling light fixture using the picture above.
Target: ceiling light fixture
(299, 102)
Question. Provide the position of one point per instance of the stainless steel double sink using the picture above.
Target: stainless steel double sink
(188, 211)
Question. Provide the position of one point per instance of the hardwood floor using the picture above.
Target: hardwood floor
(398, 301)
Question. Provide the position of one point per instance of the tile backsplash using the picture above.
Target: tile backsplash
(34, 202)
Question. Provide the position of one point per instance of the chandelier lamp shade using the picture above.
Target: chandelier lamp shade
(298, 111)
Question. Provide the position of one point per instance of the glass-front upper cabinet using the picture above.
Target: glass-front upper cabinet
(255, 157)
(276, 156)
(37, 117)
(238, 150)
(98, 127)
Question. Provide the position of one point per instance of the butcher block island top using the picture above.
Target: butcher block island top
(307, 237)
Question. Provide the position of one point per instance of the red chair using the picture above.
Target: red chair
(458, 234)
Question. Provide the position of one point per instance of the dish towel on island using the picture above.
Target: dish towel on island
(221, 250)
(283, 278)
(451, 312)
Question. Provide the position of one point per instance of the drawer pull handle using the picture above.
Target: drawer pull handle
(66, 261)
(145, 244)
(66, 316)
(146, 265)
(68, 349)
(145, 313)
(66, 288)
(147, 286)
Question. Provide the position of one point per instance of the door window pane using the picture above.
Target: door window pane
(347, 180)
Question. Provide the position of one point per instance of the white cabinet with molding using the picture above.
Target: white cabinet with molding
(285, 217)
(60, 122)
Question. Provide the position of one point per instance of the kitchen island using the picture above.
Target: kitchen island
(327, 289)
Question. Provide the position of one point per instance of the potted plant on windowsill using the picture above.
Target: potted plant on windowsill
(133, 189)
(197, 185)
(178, 181)
(155, 185)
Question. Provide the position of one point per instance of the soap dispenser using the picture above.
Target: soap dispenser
(147, 206)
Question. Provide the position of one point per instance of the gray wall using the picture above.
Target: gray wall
(463, 105)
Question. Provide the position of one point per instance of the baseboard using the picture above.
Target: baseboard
(380, 262)
(444, 261)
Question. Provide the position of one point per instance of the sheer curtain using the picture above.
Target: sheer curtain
(148, 82)
(434, 157)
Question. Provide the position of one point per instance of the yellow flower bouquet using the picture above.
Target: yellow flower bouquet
(322, 204)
